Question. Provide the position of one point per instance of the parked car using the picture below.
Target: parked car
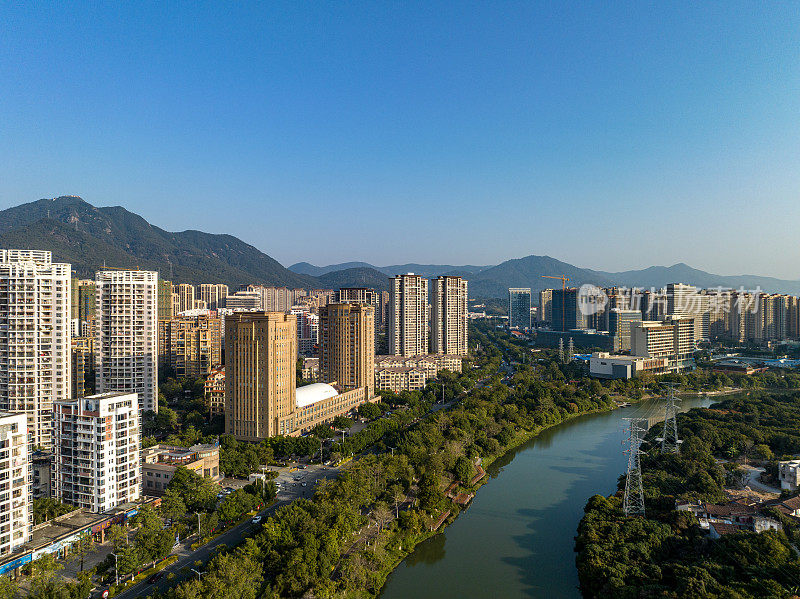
(155, 577)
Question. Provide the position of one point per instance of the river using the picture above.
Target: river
(517, 537)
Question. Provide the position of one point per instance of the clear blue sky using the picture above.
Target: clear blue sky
(608, 135)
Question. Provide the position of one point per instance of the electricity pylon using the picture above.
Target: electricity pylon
(561, 350)
(669, 438)
(633, 502)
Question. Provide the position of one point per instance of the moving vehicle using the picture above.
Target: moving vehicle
(256, 520)
(155, 577)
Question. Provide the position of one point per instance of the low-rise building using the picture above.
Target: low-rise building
(604, 365)
(411, 373)
(789, 475)
(311, 369)
(320, 403)
(160, 461)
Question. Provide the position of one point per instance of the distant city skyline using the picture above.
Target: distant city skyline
(610, 137)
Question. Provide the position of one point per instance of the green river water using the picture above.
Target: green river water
(517, 537)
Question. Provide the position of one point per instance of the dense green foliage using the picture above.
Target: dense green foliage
(667, 554)
(47, 508)
(87, 237)
(406, 457)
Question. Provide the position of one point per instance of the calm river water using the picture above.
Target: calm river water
(517, 537)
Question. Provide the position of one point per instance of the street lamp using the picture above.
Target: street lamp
(116, 568)
(199, 536)
(199, 574)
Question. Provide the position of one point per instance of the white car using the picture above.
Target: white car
(256, 520)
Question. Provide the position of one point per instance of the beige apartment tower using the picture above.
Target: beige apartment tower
(35, 364)
(260, 356)
(127, 334)
(347, 345)
(186, 297)
(190, 344)
(450, 316)
(408, 315)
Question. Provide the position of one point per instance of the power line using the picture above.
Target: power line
(633, 503)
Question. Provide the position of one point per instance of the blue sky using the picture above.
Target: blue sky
(609, 135)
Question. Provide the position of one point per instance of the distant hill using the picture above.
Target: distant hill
(88, 237)
(355, 277)
(426, 270)
(528, 271)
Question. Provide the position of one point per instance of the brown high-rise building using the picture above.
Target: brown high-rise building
(260, 356)
(450, 316)
(192, 345)
(347, 345)
(408, 315)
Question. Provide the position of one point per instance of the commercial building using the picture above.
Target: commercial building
(567, 312)
(16, 511)
(127, 334)
(619, 327)
(450, 318)
(609, 366)
(408, 315)
(519, 308)
(347, 345)
(214, 391)
(672, 338)
(320, 403)
(35, 310)
(96, 453)
(160, 461)
(191, 345)
(260, 355)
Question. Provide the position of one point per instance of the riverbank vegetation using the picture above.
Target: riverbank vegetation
(667, 554)
(345, 541)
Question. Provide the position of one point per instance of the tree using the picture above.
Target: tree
(233, 575)
(463, 469)
(8, 588)
(43, 575)
(397, 494)
(82, 547)
(116, 534)
(370, 411)
(342, 422)
(198, 493)
(382, 515)
(172, 505)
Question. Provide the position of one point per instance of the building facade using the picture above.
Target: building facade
(408, 315)
(191, 345)
(127, 334)
(347, 345)
(96, 454)
(449, 323)
(260, 356)
(35, 310)
(159, 463)
(16, 510)
(519, 308)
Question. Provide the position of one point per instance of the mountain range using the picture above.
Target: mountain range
(90, 237)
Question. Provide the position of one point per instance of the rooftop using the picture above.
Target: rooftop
(311, 394)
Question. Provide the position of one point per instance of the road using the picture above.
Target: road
(752, 481)
(292, 488)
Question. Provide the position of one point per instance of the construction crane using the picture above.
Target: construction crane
(563, 298)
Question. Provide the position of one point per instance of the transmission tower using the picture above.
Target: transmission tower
(633, 503)
(561, 350)
(669, 438)
(570, 349)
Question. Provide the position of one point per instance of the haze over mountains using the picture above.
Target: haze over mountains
(90, 237)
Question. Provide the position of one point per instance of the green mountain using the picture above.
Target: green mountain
(89, 237)
(355, 277)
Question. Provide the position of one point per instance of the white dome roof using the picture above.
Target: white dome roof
(309, 394)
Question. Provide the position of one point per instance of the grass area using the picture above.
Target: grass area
(167, 561)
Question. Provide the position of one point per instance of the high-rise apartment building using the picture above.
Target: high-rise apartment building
(96, 454)
(567, 312)
(191, 345)
(166, 306)
(186, 297)
(244, 300)
(672, 338)
(347, 345)
(450, 316)
(213, 295)
(366, 295)
(408, 315)
(127, 334)
(16, 511)
(83, 365)
(276, 299)
(260, 356)
(307, 330)
(545, 313)
(519, 307)
(35, 310)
